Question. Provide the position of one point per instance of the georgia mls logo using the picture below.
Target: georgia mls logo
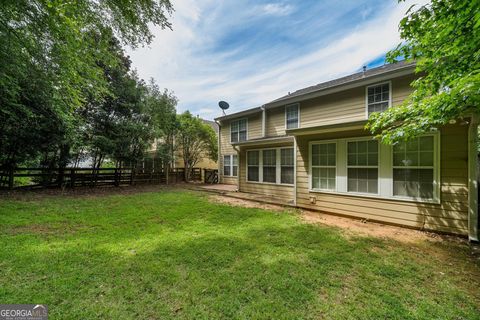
(23, 312)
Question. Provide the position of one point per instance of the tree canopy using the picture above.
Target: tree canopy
(196, 140)
(61, 56)
(443, 37)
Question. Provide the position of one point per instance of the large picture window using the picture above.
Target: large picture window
(378, 98)
(324, 166)
(253, 165)
(362, 166)
(413, 168)
(292, 116)
(238, 130)
(365, 167)
(287, 166)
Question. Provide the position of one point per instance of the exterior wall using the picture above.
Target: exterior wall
(348, 105)
(284, 192)
(204, 163)
(254, 131)
(275, 122)
(450, 215)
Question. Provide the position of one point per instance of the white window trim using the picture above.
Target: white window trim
(310, 176)
(231, 165)
(375, 85)
(363, 167)
(260, 165)
(385, 172)
(238, 120)
(298, 111)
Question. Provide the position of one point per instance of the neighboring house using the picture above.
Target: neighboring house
(204, 163)
(310, 147)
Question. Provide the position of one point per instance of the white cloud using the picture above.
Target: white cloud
(277, 9)
(183, 61)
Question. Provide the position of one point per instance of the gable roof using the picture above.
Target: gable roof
(355, 79)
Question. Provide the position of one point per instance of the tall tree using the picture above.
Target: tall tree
(48, 65)
(195, 140)
(443, 37)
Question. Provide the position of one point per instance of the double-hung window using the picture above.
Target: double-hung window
(362, 166)
(365, 167)
(414, 168)
(287, 166)
(378, 98)
(292, 116)
(230, 165)
(324, 170)
(269, 165)
(238, 130)
(253, 165)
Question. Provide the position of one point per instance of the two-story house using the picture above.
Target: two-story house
(310, 148)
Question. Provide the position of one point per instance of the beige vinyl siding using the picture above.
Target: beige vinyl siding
(450, 215)
(275, 122)
(254, 131)
(283, 192)
(346, 106)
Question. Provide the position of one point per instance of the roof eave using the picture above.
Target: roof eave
(338, 127)
(406, 70)
(239, 114)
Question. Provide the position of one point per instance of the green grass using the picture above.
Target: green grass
(173, 254)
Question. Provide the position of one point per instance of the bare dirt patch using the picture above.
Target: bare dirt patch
(245, 203)
(349, 226)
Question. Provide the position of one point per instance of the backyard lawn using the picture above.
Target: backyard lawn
(175, 254)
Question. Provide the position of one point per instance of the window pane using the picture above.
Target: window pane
(287, 175)
(269, 157)
(363, 180)
(253, 173)
(286, 157)
(226, 160)
(315, 155)
(235, 160)
(226, 170)
(323, 178)
(252, 158)
(292, 116)
(234, 137)
(417, 183)
(269, 174)
(242, 124)
(242, 136)
(235, 171)
(417, 152)
(362, 153)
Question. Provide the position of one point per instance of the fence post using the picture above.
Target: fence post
(115, 178)
(10, 178)
(72, 178)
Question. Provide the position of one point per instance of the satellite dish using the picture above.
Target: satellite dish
(223, 105)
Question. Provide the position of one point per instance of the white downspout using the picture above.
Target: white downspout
(238, 167)
(219, 155)
(294, 170)
(472, 179)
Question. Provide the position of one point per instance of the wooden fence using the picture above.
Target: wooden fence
(19, 178)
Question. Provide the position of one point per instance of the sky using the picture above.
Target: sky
(251, 52)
